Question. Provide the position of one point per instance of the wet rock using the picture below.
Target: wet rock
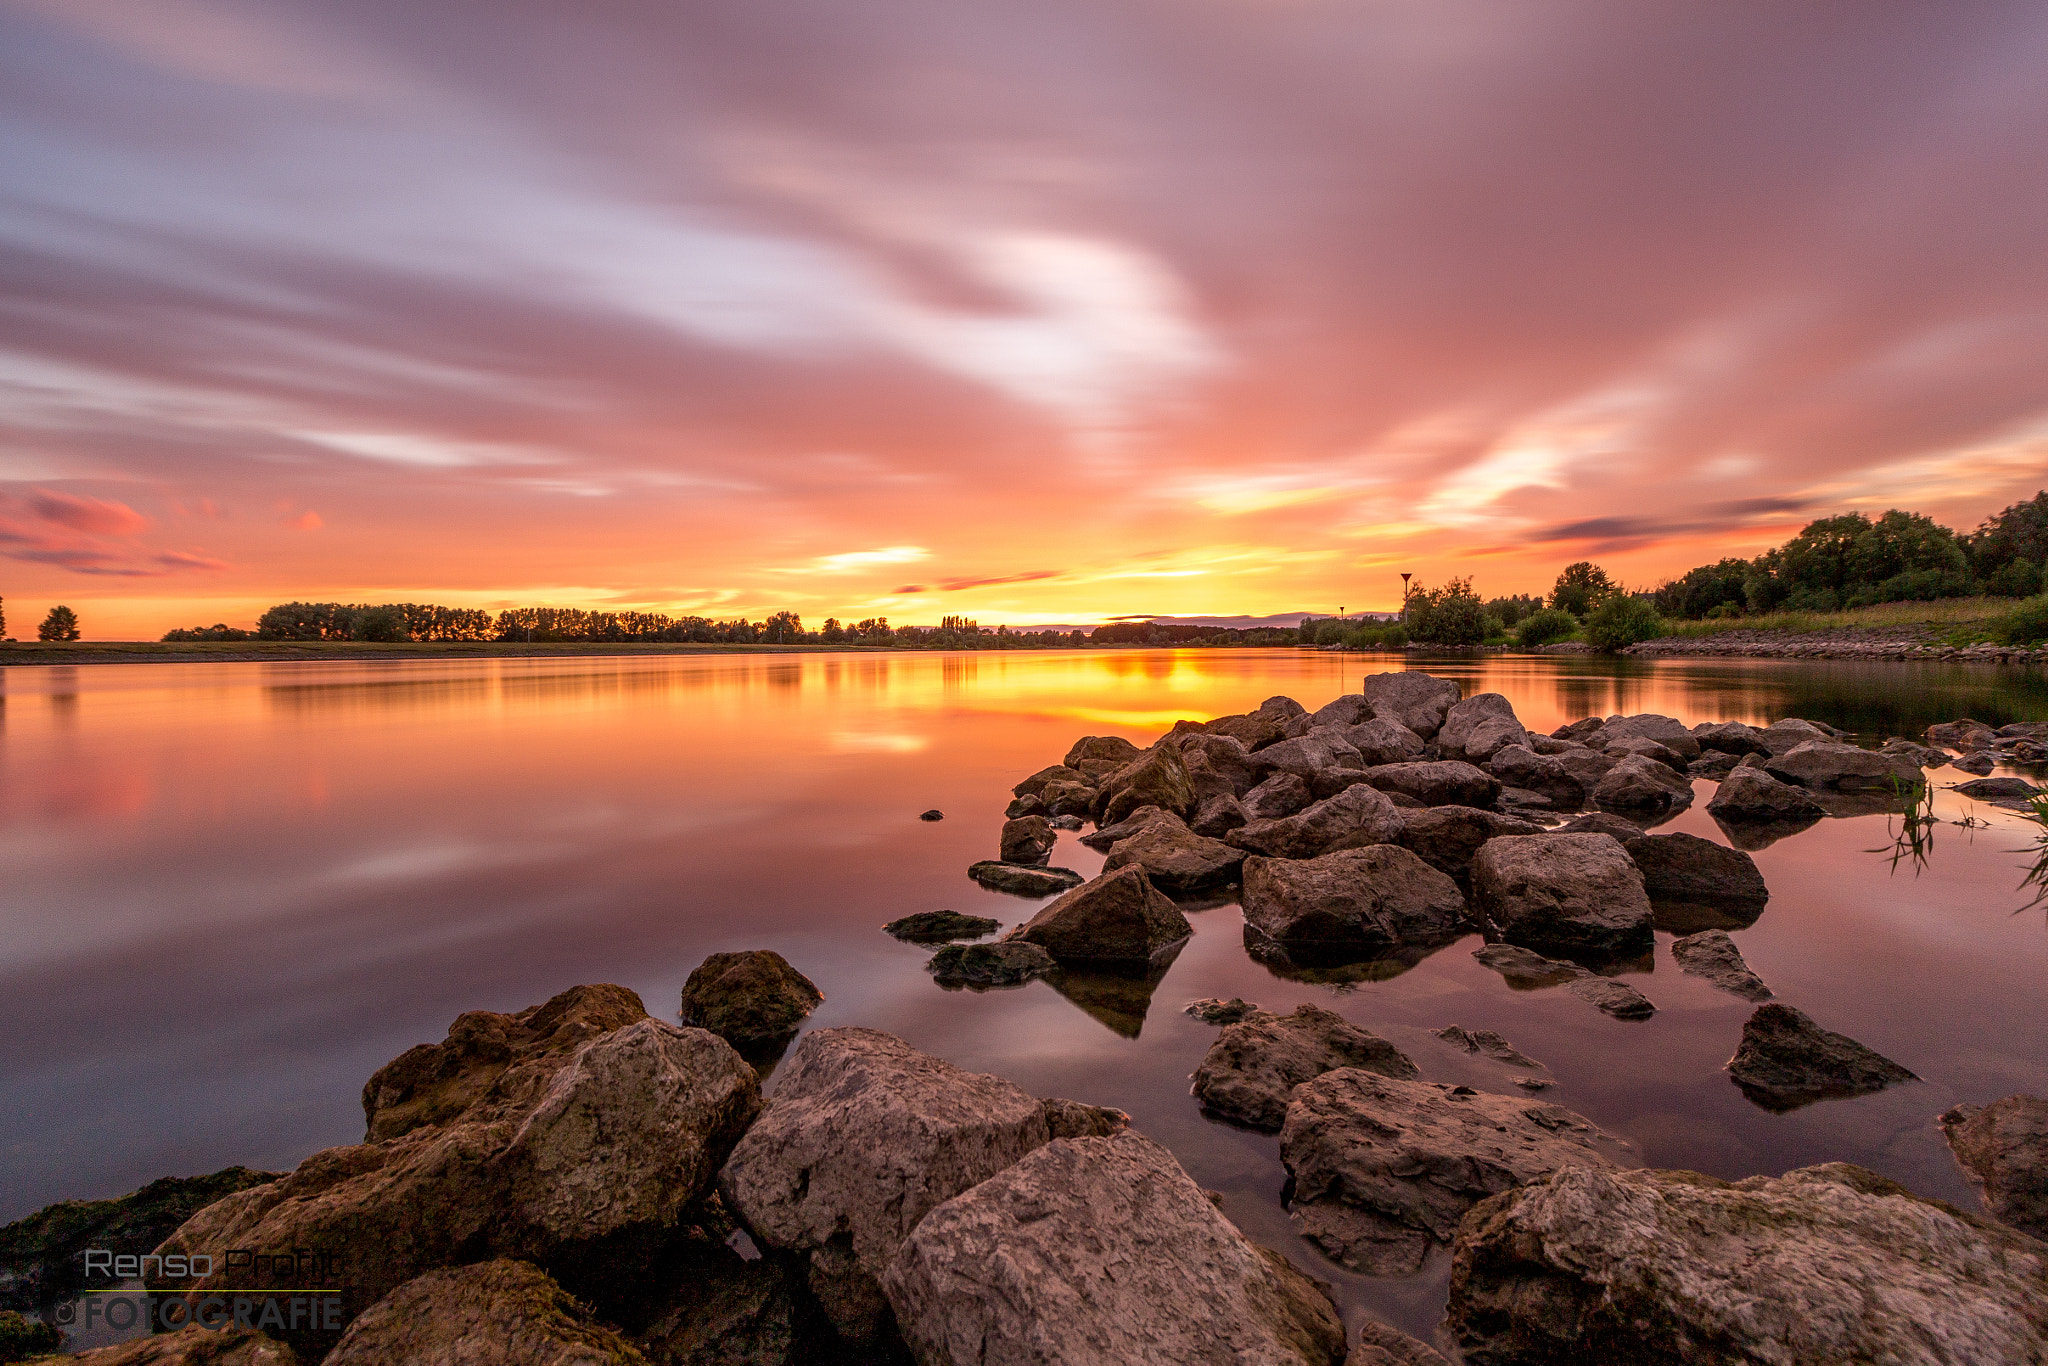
(1104, 839)
(1158, 778)
(1920, 756)
(1096, 771)
(1412, 699)
(1216, 1011)
(1283, 794)
(1991, 789)
(1355, 817)
(1064, 822)
(1662, 730)
(989, 965)
(497, 1311)
(1444, 783)
(1446, 837)
(1618, 999)
(932, 815)
(1521, 767)
(864, 1138)
(1381, 741)
(1752, 794)
(1113, 748)
(1254, 1065)
(1120, 917)
(1825, 764)
(1979, 763)
(1479, 727)
(1643, 748)
(1568, 891)
(196, 1346)
(1286, 708)
(1642, 785)
(1785, 1060)
(1712, 764)
(1021, 879)
(1217, 816)
(1487, 1042)
(749, 998)
(1822, 1265)
(1384, 1168)
(1964, 734)
(1028, 839)
(1781, 737)
(1176, 859)
(1586, 766)
(1527, 971)
(937, 927)
(1685, 867)
(1601, 823)
(1730, 737)
(1101, 1250)
(1035, 785)
(1712, 954)
(1068, 799)
(1371, 897)
(1023, 806)
(1380, 1345)
(1075, 1119)
(2004, 1148)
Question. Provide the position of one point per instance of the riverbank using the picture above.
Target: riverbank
(292, 651)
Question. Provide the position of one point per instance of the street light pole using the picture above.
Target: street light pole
(1404, 595)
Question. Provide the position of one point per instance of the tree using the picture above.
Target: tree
(1581, 588)
(1622, 620)
(1703, 589)
(1450, 615)
(2018, 533)
(782, 628)
(3, 618)
(61, 624)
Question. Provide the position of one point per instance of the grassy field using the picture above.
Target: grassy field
(1958, 621)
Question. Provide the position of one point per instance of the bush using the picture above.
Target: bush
(1451, 615)
(2018, 579)
(1621, 621)
(1546, 627)
(2026, 624)
(217, 631)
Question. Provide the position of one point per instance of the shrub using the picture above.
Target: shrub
(1451, 615)
(1621, 621)
(2018, 579)
(2026, 624)
(1546, 627)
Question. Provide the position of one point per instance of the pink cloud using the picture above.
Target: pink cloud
(94, 515)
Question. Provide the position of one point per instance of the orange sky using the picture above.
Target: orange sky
(1034, 312)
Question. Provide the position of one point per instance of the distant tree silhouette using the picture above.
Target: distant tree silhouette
(1581, 588)
(61, 624)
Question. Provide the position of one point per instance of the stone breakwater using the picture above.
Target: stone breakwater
(1898, 643)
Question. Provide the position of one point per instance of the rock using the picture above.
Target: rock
(1022, 880)
(1176, 859)
(1685, 867)
(1446, 783)
(1751, 794)
(1712, 954)
(1158, 778)
(481, 1315)
(1217, 816)
(579, 1164)
(1825, 764)
(1120, 917)
(1979, 763)
(1586, 766)
(1412, 699)
(1920, 756)
(1963, 734)
(1526, 969)
(1785, 1060)
(1308, 756)
(1713, 764)
(1105, 838)
(197, 1346)
(1581, 730)
(42, 1256)
(1035, 785)
(1254, 1066)
(1073, 1119)
(1781, 737)
(1381, 741)
(1380, 1345)
(1342, 712)
(1618, 999)
(1446, 837)
(1355, 817)
(932, 815)
(1479, 727)
(1374, 897)
(1601, 823)
(1024, 806)
(1822, 1265)
(1101, 1250)
(936, 927)
(989, 965)
(1570, 891)
(1545, 744)
(1382, 1168)
(1113, 748)
(1283, 794)
(1217, 765)
(1028, 839)
(1215, 1011)
(1487, 1042)
(1285, 708)
(749, 998)
(1254, 731)
(1067, 799)
(735, 1313)
(1643, 748)
(1522, 767)
(1673, 735)
(1639, 784)
(1730, 737)
(864, 1138)
(2004, 1148)
(1988, 789)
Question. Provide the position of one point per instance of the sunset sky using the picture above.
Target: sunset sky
(1033, 310)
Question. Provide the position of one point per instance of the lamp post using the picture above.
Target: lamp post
(1404, 596)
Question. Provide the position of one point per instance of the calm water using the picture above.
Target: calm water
(229, 892)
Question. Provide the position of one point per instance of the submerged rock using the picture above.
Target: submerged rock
(1027, 839)
(1372, 898)
(1446, 837)
(1712, 954)
(1568, 891)
(497, 1311)
(989, 965)
(1989, 789)
(1751, 794)
(1101, 1250)
(1356, 817)
(1683, 867)
(1822, 1265)
(1785, 1060)
(1412, 699)
(1527, 970)
(1384, 1168)
(1216, 1011)
(748, 998)
(2004, 1148)
(1022, 879)
(936, 927)
(1487, 1042)
(1254, 1065)
(1120, 917)
(1176, 859)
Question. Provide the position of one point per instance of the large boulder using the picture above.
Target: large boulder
(1413, 699)
(1217, 816)
(2004, 1148)
(1101, 1250)
(1446, 837)
(1253, 1067)
(1155, 778)
(1566, 891)
(1383, 1168)
(494, 1313)
(1843, 768)
(1307, 757)
(1730, 737)
(1374, 897)
(1120, 917)
(1074, 797)
(1751, 794)
(1683, 867)
(1253, 730)
(1642, 785)
(1520, 766)
(1821, 1265)
(1343, 712)
(1105, 838)
(1586, 766)
(1282, 794)
(1642, 747)
(1176, 859)
(1445, 783)
(1113, 748)
(1035, 785)
(1673, 735)
(1027, 839)
(1781, 737)
(1712, 954)
(1216, 763)
(864, 1138)
(1785, 1060)
(750, 999)
(1357, 816)
(1479, 727)
(1381, 741)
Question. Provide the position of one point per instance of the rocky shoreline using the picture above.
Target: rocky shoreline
(582, 1183)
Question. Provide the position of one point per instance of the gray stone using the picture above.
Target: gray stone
(1519, 766)
(1450, 782)
(1035, 785)
(1663, 730)
(1381, 741)
(1712, 954)
(1781, 737)
(1176, 859)
(1963, 734)
(1104, 839)
(1074, 1119)
(1988, 789)
(1683, 867)
(1254, 730)
(1067, 799)
(1157, 777)
(1384, 1168)
(1618, 999)
(1355, 817)
(1730, 737)
(1120, 917)
(2004, 1148)
(1843, 768)
(989, 965)
(1254, 1065)
(1586, 766)
(1642, 747)
(1920, 756)
(1216, 1011)
(1412, 699)
(936, 927)
(1751, 794)
(1024, 806)
(1349, 710)
(1217, 765)
(1375, 897)
(1479, 727)
(1487, 1042)
(1446, 837)
(1028, 839)
(1714, 764)
(1217, 816)
(1785, 1060)
(1283, 794)
(1601, 823)
(1979, 763)
(1639, 784)
(1309, 755)
(495, 1313)
(1113, 748)
(1568, 891)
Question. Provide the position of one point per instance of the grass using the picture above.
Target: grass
(1957, 621)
